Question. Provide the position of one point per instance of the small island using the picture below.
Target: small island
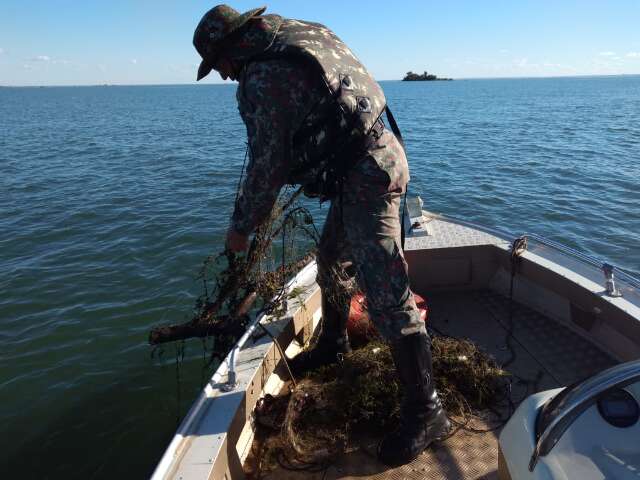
(424, 77)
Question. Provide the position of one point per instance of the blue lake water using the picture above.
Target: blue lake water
(111, 197)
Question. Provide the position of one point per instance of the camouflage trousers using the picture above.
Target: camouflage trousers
(361, 238)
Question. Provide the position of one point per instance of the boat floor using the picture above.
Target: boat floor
(541, 354)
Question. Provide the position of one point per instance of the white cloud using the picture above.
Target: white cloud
(134, 61)
(522, 62)
(607, 54)
(1, 51)
(630, 54)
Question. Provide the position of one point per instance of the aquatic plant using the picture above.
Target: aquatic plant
(341, 407)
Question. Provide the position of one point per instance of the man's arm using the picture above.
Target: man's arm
(270, 103)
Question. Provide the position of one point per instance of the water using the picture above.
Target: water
(110, 198)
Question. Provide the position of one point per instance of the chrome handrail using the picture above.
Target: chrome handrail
(565, 249)
(509, 236)
(232, 357)
(607, 269)
(581, 397)
(604, 266)
(628, 278)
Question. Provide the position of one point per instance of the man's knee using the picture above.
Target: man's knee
(395, 323)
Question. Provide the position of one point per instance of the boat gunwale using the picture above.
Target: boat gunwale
(169, 464)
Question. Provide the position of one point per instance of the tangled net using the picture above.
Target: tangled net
(335, 408)
(231, 284)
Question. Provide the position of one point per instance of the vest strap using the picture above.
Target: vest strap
(394, 125)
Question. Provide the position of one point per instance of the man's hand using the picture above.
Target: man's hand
(236, 242)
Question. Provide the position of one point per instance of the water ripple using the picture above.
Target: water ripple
(112, 197)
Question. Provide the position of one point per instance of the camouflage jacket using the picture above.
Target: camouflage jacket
(275, 98)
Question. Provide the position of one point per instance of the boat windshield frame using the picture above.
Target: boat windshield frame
(575, 400)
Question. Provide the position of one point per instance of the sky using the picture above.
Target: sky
(62, 42)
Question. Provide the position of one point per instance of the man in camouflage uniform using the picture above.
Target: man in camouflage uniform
(289, 113)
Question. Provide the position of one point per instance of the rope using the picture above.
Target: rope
(244, 163)
(518, 247)
(179, 346)
(284, 357)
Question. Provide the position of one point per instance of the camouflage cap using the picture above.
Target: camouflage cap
(220, 22)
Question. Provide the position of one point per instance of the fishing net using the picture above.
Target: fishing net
(335, 409)
(234, 284)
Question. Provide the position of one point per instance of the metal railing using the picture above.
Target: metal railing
(609, 271)
(232, 381)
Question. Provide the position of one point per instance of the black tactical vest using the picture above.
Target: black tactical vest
(358, 99)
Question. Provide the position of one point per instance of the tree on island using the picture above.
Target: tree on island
(413, 77)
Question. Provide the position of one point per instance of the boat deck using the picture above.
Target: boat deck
(540, 354)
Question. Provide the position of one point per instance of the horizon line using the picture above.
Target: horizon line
(539, 77)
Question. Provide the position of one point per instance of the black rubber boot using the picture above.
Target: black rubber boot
(422, 419)
(332, 343)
